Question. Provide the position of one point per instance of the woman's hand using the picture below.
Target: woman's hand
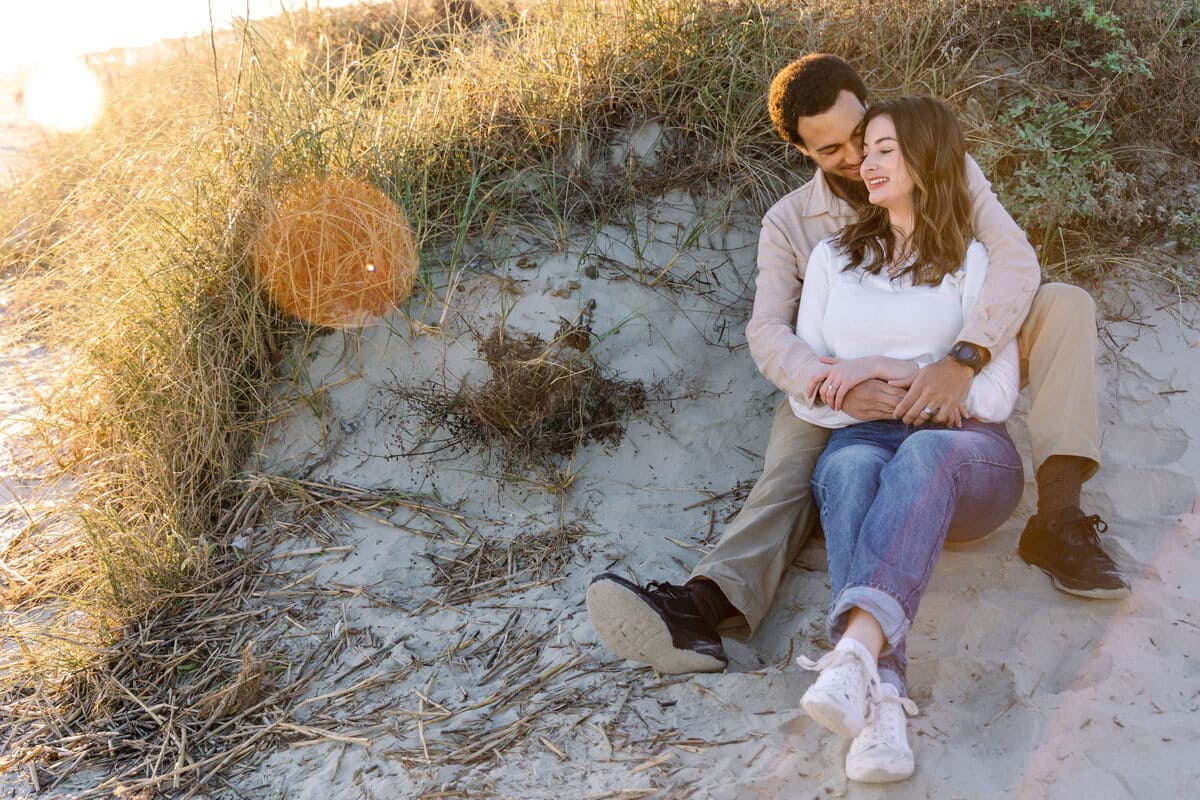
(845, 375)
(842, 377)
(817, 381)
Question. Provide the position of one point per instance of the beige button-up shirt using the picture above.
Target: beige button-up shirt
(794, 226)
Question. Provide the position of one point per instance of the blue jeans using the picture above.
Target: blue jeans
(890, 495)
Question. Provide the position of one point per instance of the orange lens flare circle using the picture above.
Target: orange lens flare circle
(335, 252)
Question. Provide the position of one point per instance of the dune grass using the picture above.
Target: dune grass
(134, 241)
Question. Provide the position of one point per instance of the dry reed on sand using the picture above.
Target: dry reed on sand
(544, 400)
(212, 677)
(335, 252)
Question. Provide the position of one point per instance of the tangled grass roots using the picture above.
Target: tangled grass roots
(544, 399)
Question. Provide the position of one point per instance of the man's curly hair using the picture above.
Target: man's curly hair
(809, 86)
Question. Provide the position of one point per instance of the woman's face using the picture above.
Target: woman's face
(884, 171)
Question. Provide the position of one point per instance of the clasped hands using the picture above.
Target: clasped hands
(881, 388)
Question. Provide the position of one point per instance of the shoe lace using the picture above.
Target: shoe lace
(904, 702)
(872, 734)
(836, 658)
(1089, 527)
(670, 591)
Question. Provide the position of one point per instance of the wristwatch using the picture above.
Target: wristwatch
(971, 355)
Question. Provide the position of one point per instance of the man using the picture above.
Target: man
(816, 103)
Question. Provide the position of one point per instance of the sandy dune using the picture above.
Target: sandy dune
(504, 691)
(465, 665)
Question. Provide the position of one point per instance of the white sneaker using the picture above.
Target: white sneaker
(838, 698)
(880, 754)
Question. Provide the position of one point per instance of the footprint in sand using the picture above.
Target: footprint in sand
(1143, 492)
(1139, 394)
(1156, 443)
(1059, 650)
(972, 718)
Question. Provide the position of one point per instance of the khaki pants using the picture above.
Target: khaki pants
(1057, 345)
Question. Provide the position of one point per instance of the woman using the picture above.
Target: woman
(880, 300)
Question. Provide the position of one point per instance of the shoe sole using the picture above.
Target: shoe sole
(830, 716)
(633, 629)
(878, 773)
(1098, 593)
(1092, 594)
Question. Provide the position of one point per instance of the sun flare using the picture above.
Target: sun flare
(64, 95)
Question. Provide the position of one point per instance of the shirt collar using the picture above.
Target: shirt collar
(822, 200)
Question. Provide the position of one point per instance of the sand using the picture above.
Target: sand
(1024, 691)
(502, 690)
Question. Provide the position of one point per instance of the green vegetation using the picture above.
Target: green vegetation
(133, 241)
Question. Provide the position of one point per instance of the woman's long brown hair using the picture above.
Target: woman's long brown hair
(932, 144)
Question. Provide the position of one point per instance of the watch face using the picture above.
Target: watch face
(966, 354)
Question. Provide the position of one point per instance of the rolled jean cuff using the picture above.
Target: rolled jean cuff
(886, 610)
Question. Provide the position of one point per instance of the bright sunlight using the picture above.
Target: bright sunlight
(64, 95)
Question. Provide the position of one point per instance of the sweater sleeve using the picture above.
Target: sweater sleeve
(994, 390)
(1014, 276)
(782, 357)
(810, 321)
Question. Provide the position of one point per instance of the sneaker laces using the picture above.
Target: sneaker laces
(904, 702)
(1090, 527)
(872, 734)
(669, 591)
(835, 658)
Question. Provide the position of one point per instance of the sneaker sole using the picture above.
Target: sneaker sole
(878, 773)
(1092, 594)
(632, 629)
(830, 716)
(1097, 593)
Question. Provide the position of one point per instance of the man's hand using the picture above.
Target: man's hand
(872, 400)
(941, 386)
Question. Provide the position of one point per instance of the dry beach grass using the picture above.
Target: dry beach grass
(150, 630)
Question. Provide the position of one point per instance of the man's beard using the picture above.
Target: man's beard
(853, 192)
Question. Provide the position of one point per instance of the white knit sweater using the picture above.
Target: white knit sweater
(851, 314)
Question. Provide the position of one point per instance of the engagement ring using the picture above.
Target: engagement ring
(928, 411)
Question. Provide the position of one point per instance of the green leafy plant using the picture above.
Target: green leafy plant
(1064, 173)
(1184, 228)
(1089, 28)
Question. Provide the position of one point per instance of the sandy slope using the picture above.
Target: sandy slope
(502, 690)
(1024, 692)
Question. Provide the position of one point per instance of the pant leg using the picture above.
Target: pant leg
(937, 477)
(1057, 345)
(749, 560)
(845, 483)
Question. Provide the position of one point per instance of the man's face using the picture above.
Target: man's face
(829, 138)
